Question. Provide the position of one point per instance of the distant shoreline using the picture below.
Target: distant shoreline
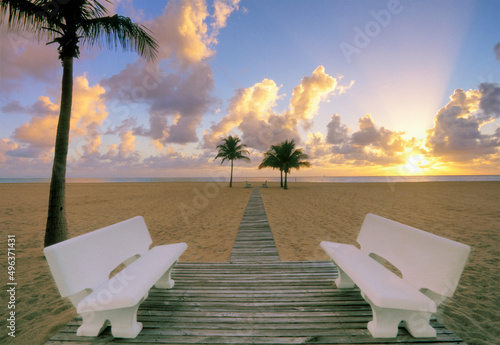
(311, 179)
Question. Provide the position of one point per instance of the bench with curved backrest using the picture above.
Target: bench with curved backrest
(430, 266)
(81, 268)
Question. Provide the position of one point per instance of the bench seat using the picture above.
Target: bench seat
(380, 285)
(131, 285)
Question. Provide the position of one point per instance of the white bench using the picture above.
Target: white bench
(81, 267)
(430, 266)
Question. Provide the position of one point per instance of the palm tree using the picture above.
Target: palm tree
(231, 149)
(69, 23)
(272, 160)
(288, 157)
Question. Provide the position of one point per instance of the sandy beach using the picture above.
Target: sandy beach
(207, 215)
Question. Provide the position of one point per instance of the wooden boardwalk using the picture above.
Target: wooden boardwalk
(253, 299)
(254, 242)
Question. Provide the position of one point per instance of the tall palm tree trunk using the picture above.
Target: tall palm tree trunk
(56, 230)
(286, 185)
(281, 175)
(231, 178)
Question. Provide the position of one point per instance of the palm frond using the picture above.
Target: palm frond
(285, 156)
(117, 31)
(231, 149)
(24, 15)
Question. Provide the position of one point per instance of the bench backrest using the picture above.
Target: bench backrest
(85, 262)
(426, 261)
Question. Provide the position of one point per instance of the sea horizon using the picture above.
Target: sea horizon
(250, 179)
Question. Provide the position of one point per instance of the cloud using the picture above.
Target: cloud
(251, 111)
(312, 90)
(337, 132)
(317, 147)
(178, 86)
(490, 99)
(369, 144)
(39, 132)
(375, 144)
(23, 57)
(177, 100)
(252, 105)
(457, 134)
(6, 146)
(496, 50)
(37, 136)
(223, 9)
(182, 32)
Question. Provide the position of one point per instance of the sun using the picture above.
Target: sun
(415, 165)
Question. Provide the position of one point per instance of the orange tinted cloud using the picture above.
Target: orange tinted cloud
(252, 104)
(369, 144)
(5, 146)
(88, 114)
(251, 111)
(182, 32)
(311, 91)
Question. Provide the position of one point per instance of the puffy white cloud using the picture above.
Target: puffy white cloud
(249, 107)
(251, 111)
(37, 136)
(182, 32)
(457, 134)
(313, 89)
(222, 11)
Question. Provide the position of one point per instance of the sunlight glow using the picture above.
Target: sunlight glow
(415, 165)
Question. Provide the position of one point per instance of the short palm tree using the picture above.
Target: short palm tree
(232, 149)
(69, 24)
(288, 158)
(272, 160)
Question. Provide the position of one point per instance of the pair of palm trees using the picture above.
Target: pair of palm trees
(283, 156)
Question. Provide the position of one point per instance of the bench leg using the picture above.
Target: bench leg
(343, 281)
(166, 281)
(93, 324)
(124, 322)
(386, 321)
(417, 323)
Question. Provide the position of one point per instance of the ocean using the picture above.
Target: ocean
(318, 179)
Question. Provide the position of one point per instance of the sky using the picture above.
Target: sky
(365, 88)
